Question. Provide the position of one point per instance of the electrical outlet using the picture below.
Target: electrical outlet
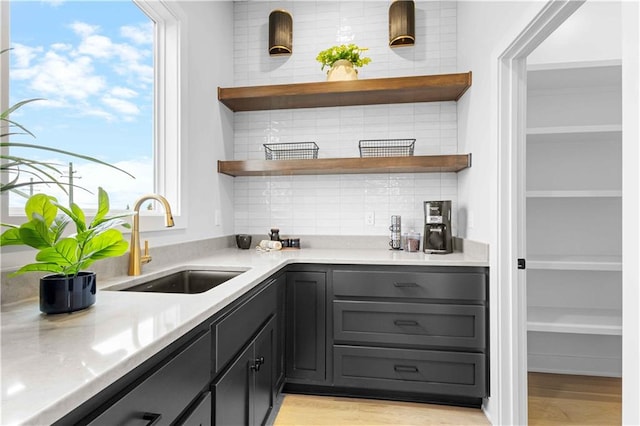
(370, 218)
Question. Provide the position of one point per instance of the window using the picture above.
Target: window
(109, 72)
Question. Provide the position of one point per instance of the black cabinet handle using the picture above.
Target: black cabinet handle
(401, 323)
(152, 418)
(405, 368)
(405, 285)
(257, 363)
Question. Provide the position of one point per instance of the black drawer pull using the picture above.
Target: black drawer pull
(405, 368)
(405, 285)
(401, 323)
(152, 418)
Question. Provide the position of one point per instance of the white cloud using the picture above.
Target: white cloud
(62, 77)
(121, 106)
(97, 112)
(140, 34)
(64, 47)
(23, 55)
(83, 29)
(123, 92)
(97, 46)
(95, 77)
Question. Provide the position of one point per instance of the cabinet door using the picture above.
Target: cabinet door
(161, 397)
(201, 413)
(305, 334)
(263, 374)
(278, 371)
(238, 327)
(232, 392)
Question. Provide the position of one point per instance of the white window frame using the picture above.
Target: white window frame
(168, 107)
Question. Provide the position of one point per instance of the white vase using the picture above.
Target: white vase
(342, 70)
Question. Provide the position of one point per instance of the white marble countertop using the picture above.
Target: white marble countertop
(51, 364)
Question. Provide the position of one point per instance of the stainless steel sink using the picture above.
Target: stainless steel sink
(187, 282)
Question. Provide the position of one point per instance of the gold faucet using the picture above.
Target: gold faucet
(135, 259)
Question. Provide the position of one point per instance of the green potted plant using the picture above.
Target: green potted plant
(342, 61)
(70, 287)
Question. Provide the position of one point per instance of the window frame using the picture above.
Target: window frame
(168, 108)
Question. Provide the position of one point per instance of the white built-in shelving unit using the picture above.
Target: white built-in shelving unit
(574, 218)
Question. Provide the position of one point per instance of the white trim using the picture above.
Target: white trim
(512, 299)
(168, 108)
(4, 85)
(630, 213)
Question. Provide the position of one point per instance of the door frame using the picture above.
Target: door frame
(511, 243)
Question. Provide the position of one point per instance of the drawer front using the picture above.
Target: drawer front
(450, 285)
(167, 392)
(415, 371)
(410, 324)
(236, 329)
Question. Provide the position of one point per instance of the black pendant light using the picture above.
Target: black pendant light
(402, 23)
(280, 33)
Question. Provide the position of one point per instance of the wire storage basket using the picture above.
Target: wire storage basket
(290, 151)
(386, 147)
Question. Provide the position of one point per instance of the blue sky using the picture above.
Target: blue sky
(92, 61)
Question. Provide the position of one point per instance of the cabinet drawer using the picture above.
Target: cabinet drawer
(167, 392)
(451, 285)
(411, 324)
(237, 328)
(415, 371)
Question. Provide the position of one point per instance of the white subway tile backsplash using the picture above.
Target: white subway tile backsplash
(337, 204)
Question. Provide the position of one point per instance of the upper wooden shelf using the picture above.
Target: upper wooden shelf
(427, 88)
(328, 166)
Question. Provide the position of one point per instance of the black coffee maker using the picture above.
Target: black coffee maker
(437, 227)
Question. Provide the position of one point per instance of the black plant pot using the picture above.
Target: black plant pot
(65, 294)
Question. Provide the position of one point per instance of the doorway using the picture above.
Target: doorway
(573, 219)
(512, 202)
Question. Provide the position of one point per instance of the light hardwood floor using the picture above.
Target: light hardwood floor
(554, 399)
(304, 410)
(559, 399)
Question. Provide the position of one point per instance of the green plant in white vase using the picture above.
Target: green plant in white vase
(342, 60)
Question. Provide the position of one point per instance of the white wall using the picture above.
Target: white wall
(593, 32)
(485, 29)
(336, 205)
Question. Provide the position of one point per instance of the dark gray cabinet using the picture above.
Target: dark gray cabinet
(234, 330)
(416, 332)
(200, 415)
(306, 326)
(244, 392)
(279, 367)
(364, 330)
(160, 398)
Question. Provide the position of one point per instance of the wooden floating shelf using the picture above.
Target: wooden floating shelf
(428, 88)
(332, 166)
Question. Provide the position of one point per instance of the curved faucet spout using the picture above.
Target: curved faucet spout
(135, 258)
